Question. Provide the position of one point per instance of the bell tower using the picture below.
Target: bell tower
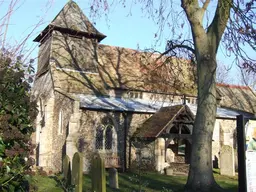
(70, 41)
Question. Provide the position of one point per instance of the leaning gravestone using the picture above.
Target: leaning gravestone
(227, 161)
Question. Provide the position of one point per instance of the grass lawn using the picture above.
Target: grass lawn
(45, 184)
(129, 182)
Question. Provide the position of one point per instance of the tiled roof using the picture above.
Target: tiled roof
(155, 125)
(132, 69)
(237, 97)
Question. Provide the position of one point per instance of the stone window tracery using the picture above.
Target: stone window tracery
(105, 138)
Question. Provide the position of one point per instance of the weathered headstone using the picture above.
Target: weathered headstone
(77, 172)
(67, 170)
(113, 178)
(98, 174)
(168, 171)
(227, 161)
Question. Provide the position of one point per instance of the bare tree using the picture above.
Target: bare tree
(247, 78)
(20, 47)
(230, 22)
(223, 74)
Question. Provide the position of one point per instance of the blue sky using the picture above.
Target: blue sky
(122, 29)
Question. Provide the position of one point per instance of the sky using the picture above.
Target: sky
(125, 27)
(121, 30)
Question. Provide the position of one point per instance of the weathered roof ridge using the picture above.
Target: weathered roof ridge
(233, 86)
(127, 48)
(155, 54)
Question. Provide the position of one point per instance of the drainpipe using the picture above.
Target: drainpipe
(130, 152)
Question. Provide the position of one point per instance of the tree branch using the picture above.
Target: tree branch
(205, 5)
(172, 46)
(220, 20)
(195, 16)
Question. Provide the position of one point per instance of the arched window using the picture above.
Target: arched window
(105, 136)
(108, 137)
(99, 137)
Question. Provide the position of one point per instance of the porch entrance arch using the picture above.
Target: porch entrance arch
(179, 142)
(171, 130)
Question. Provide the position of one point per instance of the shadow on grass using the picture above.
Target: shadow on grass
(153, 182)
(131, 182)
(148, 182)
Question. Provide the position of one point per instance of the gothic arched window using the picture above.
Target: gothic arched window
(105, 136)
(99, 137)
(108, 137)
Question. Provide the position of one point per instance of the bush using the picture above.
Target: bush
(17, 113)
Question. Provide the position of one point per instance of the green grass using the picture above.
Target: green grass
(44, 184)
(128, 182)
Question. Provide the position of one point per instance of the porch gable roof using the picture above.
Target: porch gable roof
(161, 120)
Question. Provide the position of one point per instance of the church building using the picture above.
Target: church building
(122, 103)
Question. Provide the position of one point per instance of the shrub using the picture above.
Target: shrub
(17, 113)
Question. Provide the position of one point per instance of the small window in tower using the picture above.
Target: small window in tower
(60, 129)
(44, 116)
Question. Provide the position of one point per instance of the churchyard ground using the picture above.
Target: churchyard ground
(148, 182)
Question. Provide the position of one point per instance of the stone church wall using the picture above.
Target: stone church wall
(134, 121)
(43, 92)
(90, 120)
(86, 137)
(224, 134)
(63, 108)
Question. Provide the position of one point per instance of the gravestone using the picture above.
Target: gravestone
(168, 171)
(227, 161)
(113, 178)
(98, 174)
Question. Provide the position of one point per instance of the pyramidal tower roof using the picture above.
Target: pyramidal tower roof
(71, 20)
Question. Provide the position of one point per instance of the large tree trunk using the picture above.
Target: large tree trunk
(206, 43)
(201, 175)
